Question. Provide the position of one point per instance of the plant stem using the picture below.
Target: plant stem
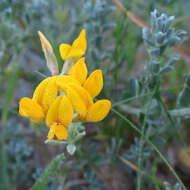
(141, 145)
(143, 95)
(174, 125)
(141, 142)
(153, 146)
(182, 112)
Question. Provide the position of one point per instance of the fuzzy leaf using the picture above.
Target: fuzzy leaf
(42, 182)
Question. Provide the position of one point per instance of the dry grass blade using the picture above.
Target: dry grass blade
(134, 18)
(183, 51)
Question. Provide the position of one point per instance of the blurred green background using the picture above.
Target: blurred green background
(115, 45)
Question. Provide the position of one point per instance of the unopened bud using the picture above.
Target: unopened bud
(49, 54)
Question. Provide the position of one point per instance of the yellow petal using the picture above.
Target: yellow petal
(51, 134)
(63, 81)
(76, 100)
(79, 71)
(98, 111)
(83, 93)
(65, 112)
(52, 114)
(80, 42)
(49, 94)
(38, 93)
(29, 108)
(61, 132)
(75, 53)
(94, 83)
(64, 50)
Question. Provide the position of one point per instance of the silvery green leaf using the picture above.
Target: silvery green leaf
(76, 132)
(155, 67)
(174, 40)
(166, 69)
(181, 33)
(146, 33)
(183, 97)
(160, 36)
(132, 88)
(43, 180)
(172, 60)
(177, 187)
(71, 148)
(155, 52)
(169, 21)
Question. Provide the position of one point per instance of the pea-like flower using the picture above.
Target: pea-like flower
(69, 97)
(44, 95)
(37, 107)
(82, 95)
(76, 50)
(59, 117)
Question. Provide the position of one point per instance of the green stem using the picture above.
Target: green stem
(141, 142)
(153, 146)
(55, 142)
(174, 125)
(141, 145)
(143, 95)
(181, 112)
(43, 180)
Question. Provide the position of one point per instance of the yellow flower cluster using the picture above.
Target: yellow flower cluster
(60, 100)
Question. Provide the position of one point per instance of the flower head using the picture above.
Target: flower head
(82, 94)
(61, 100)
(37, 107)
(76, 50)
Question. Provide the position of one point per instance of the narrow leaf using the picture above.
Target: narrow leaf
(43, 180)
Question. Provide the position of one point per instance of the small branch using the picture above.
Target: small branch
(182, 112)
(47, 141)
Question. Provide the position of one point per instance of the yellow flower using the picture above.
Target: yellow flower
(82, 95)
(76, 102)
(76, 50)
(59, 117)
(37, 107)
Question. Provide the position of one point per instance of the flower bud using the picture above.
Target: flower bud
(49, 54)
